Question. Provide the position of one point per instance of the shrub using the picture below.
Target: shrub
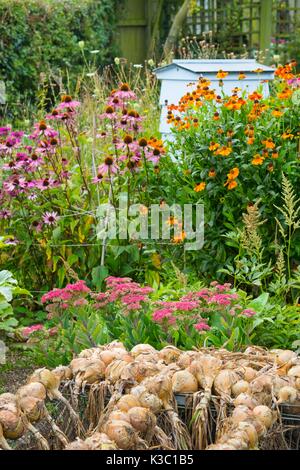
(233, 151)
(42, 38)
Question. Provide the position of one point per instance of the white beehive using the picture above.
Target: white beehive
(176, 77)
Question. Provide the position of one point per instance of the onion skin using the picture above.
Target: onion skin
(184, 382)
(3, 444)
(100, 441)
(126, 402)
(12, 424)
(63, 373)
(246, 400)
(33, 389)
(242, 386)
(264, 415)
(142, 419)
(241, 413)
(122, 433)
(142, 349)
(287, 395)
(78, 445)
(169, 354)
(32, 407)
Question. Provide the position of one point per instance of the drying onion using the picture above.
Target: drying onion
(142, 349)
(264, 415)
(246, 400)
(100, 441)
(143, 420)
(33, 389)
(78, 445)
(122, 433)
(184, 382)
(126, 402)
(287, 395)
(251, 432)
(241, 413)
(169, 354)
(242, 386)
(224, 382)
(12, 423)
(63, 373)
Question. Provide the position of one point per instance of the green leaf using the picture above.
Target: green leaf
(98, 275)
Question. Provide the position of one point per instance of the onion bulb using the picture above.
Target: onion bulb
(142, 349)
(12, 423)
(33, 389)
(118, 415)
(143, 420)
(126, 402)
(241, 413)
(264, 415)
(184, 382)
(63, 373)
(122, 433)
(287, 395)
(246, 400)
(169, 354)
(224, 382)
(242, 386)
(100, 441)
(251, 432)
(78, 445)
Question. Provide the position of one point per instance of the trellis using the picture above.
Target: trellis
(245, 24)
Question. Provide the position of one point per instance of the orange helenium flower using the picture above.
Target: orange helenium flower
(233, 174)
(257, 160)
(268, 143)
(221, 74)
(200, 187)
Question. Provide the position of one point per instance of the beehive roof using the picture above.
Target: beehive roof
(214, 65)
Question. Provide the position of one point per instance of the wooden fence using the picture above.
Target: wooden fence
(235, 23)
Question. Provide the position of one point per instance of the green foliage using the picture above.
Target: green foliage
(42, 41)
(8, 289)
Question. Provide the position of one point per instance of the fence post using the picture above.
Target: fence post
(265, 24)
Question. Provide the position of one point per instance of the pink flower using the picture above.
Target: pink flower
(79, 286)
(248, 312)
(160, 315)
(202, 326)
(31, 329)
(80, 302)
(50, 218)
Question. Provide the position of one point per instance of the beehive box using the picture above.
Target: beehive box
(176, 77)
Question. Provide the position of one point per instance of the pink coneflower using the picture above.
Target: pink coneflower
(124, 93)
(108, 166)
(5, 214)
(15, 183)
(44, 184)
(67, 103)
(109, 113)
(98, 178)
(36, 226)
(50, 218)
(5, 130)
(11, 241)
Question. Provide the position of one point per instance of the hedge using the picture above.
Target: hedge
(37, 36)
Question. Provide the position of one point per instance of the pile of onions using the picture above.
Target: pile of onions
(143, 383)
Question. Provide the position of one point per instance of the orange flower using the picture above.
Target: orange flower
(233, 174)
(172, 221)
(255, 96)
(224, 151)
(216, 116)
(277, 113)
(178, 238)
(221, 74)
(231, 184)
(212, 173)
(285, 94)
(200, 187)
(268, 143)
(270, 167)
(275, 155)
(257, 160)
(259, 70)
(242, 76)
(214, 146)
(250, 141)
(287, 135)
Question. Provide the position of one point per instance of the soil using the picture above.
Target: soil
(14, 372)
